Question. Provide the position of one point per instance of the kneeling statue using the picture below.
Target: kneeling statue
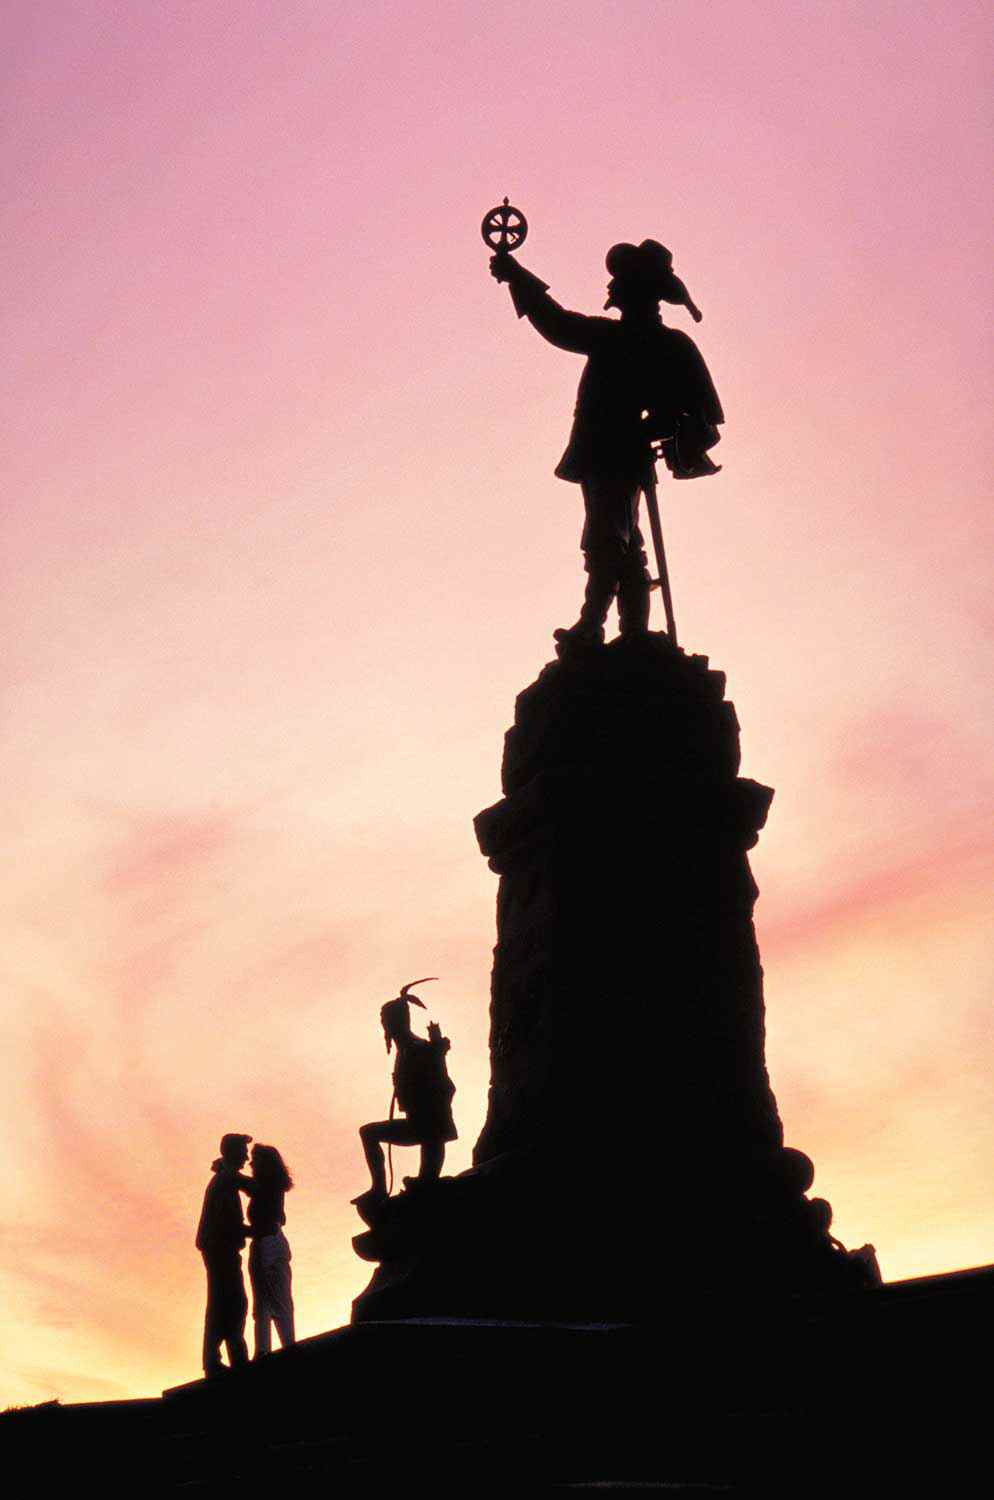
(422, 1090)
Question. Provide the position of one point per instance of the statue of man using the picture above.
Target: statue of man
(423, 1090)
(643, 383)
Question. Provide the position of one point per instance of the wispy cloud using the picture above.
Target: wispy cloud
(960, 856)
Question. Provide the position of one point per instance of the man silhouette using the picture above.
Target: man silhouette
(643, 383)
(220, 1238)
(422, 1089)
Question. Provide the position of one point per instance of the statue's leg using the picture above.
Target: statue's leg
(598, 596)
(633, 589)
(375, 1161)
(398, 1133)
(432, 1160)
(604, 543)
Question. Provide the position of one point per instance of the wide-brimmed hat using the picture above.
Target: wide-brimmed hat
(648, 263)
(648, 268)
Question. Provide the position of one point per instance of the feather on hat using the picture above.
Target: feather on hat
(648, 267)
(400, 1007)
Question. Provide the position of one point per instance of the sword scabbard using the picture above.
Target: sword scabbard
(652, 506)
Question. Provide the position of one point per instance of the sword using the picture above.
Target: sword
(663, 581)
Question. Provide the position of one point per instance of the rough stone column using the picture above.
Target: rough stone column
(627, 1001)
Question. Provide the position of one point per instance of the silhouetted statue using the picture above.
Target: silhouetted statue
(862, 1266)
(220, 1237)
(644, 384)
(269, 1253)
(421, 1088)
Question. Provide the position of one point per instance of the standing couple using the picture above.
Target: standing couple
(221, 1236)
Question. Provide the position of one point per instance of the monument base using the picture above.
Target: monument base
(867, 1394)
(632, 1155)
(526, 1236)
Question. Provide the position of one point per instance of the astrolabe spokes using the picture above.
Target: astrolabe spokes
(504, 228)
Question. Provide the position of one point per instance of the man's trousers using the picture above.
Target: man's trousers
(227, 1309)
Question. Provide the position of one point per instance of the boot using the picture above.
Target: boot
(597, 597)
(579, 634)
(633, 596)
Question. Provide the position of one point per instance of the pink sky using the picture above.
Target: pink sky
(282, 542)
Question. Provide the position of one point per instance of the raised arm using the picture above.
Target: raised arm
(567, 330)
(436, 1039)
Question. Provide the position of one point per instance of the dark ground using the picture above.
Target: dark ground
(876, 1393)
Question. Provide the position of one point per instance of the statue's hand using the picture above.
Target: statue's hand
(502, 266)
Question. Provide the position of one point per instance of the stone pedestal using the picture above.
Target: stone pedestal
(632, 1149)
(627, 1012)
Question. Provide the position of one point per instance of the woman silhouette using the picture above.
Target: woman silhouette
(269, 1256)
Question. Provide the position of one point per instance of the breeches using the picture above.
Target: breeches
(611, 503)
(614, 553)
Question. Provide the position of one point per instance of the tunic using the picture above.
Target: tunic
(642, 381)
(424, 1089)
